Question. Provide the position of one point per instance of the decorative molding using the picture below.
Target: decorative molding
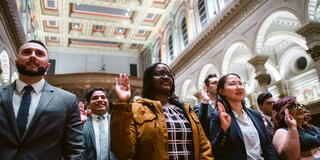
(12, 23)
(263, 79)
(314, 52)
(230, 18)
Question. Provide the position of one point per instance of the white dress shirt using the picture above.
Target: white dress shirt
(250, 137)
(35, 97)
(95, 122)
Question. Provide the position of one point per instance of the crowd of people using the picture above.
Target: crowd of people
(39, 121)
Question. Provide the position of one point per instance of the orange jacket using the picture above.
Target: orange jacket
(137, 133)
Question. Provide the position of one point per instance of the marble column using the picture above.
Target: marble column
(311, 31)
(261, 74)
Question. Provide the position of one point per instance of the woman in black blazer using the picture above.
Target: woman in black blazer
(238, 132)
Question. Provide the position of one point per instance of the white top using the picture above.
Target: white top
(250, 136)
(212, 103)
(35, 97)
(95, 122)
(268, 118)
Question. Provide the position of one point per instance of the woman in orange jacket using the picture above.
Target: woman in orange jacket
(158, 126)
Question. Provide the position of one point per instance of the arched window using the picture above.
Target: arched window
(5, 66)
(170, 44)
(184, 31)
(202, 13)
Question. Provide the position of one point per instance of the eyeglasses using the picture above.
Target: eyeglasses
(162, 74)
(235, 85)
(296, 106)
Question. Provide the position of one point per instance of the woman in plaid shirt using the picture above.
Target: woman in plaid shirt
(158, 126)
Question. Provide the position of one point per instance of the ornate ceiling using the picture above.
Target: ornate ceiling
(108, 26)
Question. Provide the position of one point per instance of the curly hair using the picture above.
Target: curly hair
(280, 106)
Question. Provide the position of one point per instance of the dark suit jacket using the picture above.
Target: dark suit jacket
(269, 129)
(90, 140)
(204, 112)
(231, 146)
(54, 132)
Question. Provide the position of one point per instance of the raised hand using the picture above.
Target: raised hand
(265, 122)
(225, 118)
(123, 90)
(290, 121)
(204, 94)
(83, 113)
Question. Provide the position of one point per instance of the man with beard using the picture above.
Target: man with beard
(37, 120)
(208, 102)
(96, 130)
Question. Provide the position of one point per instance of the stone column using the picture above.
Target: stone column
(311, 31)
(261, 74)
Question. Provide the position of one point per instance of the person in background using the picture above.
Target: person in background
(37, 120)
(291, 140)
(238, 132)
(265, 103)
(208, 102)
(96, 130)
(158, 126)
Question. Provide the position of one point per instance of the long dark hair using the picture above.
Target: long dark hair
(280, 106)
(148, 85)
(222, 99)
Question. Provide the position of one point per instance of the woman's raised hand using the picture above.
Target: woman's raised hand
(225, 118)
(123, 89)
(290, 121)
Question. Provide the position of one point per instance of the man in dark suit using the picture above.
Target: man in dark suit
(37, 120)
(265, 103)
(97, 127)
(208, 102)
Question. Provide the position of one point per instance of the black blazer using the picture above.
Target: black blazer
(54, 132)
(204, 111)
(231, 146)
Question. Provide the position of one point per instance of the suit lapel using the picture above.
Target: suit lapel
(235, 126)
(6, 97)
(255, 123)
(91, 131)
(45, 99)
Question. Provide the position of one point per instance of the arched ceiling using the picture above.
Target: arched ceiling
(107, 26)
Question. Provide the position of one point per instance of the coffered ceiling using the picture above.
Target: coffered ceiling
(109, 26)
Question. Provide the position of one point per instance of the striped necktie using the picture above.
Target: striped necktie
(23, 113)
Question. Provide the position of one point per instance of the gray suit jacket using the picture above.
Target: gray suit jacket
(54, 132)
(90, 140)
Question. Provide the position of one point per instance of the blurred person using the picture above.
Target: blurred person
(208, 102)
(291, 140)
(265, 103)
(96, 130)
(158, 126)
(37, 120)
(238, 132)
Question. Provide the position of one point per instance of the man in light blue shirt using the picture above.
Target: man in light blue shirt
(97, 127)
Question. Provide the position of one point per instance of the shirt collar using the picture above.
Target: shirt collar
(95, 117)
(38, 86)
(267, 117)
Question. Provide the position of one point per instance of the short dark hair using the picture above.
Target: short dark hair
(262, 97)
(92, 90)
(206, 81)
(38, 42)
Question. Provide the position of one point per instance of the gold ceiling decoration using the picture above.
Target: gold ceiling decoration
(108, 26)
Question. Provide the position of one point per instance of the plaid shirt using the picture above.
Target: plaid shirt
(179, 133)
